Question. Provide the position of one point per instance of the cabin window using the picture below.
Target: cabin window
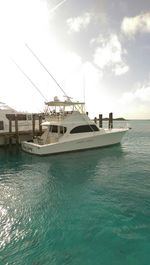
(84, 128)
(1, 125)
(63, 129)
(56, 129)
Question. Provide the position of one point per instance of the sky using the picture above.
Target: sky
(97, 50)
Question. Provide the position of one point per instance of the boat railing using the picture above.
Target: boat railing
(58, 116)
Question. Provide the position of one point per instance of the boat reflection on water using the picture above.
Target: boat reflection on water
(74, 167)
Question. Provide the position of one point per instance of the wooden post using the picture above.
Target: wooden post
(95, 120)
(33, 125)
(16, 129)
(10, 131)
(40, 126)
(10, 125)
(100, 120)
(5, 141)
(110, 126)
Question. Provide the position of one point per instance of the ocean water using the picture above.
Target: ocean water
(83, 208)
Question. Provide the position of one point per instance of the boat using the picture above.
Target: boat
(68, 129)
(5, 111)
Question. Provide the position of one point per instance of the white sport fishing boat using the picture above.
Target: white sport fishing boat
(70, 129)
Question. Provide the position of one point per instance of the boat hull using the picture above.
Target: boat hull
(93, 141)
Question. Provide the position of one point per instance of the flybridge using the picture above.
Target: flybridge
(63, 105)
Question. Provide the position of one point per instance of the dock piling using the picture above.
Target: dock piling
(100, 120)
(95, 120)
(110, 124)
(16, 129)
(33, 125)
(40, 122)
(10, 131)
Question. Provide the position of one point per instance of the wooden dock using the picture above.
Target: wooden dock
(15, 134)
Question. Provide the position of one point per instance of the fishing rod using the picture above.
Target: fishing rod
(31, 51)
(27, 46)
(21, 70)
(48, 73)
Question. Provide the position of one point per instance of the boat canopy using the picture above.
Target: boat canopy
(63, 103)
(67, 104)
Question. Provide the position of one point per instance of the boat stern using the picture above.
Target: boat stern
(30, 147)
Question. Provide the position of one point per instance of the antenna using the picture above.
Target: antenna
(83, 87)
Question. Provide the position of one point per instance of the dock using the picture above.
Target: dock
(16, 133)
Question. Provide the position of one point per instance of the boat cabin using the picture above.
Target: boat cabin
(65, 120)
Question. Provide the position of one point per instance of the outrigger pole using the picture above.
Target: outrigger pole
(27, 46)
(28, 78)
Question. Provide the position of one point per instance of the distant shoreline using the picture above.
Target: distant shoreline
(116, 119)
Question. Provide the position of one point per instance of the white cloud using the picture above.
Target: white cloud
(96, 95)
(120, 69)
(132, 25)
(110, 54)
(135, 103)
(80, 76)
(78, 23)
(141, 94)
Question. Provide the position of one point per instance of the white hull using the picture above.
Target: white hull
(86, 141)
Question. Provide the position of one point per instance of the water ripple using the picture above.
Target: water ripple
(82, 208)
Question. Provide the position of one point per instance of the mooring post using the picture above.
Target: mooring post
(95, 120)
(110, 126)
(40, 122)
(10, 131)
(100, 120)
(33, 125)
(16, 129)
(5, 141)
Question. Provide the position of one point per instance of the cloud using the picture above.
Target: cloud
(77, 23)
(120, 69)
(141, 94)
(132, 25)
(134, 104)
(80, 75)
(110, 53)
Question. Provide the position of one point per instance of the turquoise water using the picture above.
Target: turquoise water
(89, 207)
